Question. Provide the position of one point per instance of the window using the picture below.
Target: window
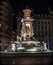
(0, 13)
(42, 34)
(45, 27)
(49, 40)
(45, 22)
(45, 33)
(38, 34)
(48, 22)
(49, 28)
(35, 27)
(42, 27)
(49, 34)
(42, 22)
(35, 22)
(52, 14)
(38, 27)
(38, 22)
(0, 41)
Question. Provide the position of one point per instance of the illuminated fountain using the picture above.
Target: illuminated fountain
(27, 40)
(27, 28)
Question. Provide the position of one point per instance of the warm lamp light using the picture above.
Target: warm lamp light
(28, 24)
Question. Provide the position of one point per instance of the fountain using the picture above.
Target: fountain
(27, 41)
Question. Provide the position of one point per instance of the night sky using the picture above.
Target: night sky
(38, 6)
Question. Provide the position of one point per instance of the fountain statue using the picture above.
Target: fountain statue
(27, 41)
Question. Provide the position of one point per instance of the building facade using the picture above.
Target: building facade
(5, 23)
(43, 27)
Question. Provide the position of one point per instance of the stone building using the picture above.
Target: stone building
(5, 23)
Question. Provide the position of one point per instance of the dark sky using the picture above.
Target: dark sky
(39, 6)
